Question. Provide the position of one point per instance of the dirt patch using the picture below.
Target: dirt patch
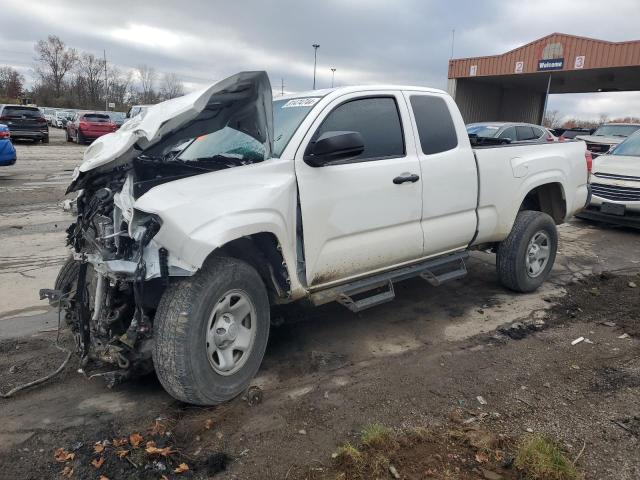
(606, 299)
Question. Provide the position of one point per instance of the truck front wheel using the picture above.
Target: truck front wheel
(211, 332)
(525, 258)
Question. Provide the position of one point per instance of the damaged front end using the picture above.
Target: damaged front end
(111, 287)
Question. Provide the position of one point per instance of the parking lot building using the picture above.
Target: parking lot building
(514, 86)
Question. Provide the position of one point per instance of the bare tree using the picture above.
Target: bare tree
(147, 78)
(90, 79)
(119, 84)
(172, 86)
(11, 83)
(55, 61)
(552, 119)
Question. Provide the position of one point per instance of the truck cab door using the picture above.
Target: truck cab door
(361, 214)
(448, 170)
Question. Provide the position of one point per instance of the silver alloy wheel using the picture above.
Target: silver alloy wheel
(537, 254)
(231, 332)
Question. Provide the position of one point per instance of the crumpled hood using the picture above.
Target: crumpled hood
(242, 101)
(618, 165)
(601, 139)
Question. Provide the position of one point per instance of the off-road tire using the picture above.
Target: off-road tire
(180, 354)
(511, 257)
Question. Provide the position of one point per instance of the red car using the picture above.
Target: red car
(87, 126)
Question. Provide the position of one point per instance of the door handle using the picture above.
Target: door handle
(406, 177)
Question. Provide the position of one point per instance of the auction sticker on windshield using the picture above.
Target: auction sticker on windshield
(301, 102)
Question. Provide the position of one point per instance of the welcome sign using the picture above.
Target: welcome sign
(551, 64)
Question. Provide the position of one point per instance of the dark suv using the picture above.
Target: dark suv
(25, 122)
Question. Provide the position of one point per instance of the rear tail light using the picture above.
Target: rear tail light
(589, 159)
(561, 138)
(41, 120)
(549, 138)
(4, 119)
(5, 134)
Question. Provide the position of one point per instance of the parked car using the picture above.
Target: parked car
(25, 122)
(7, 150)
(48, 114)
(137, 110)
(513, 132)
(608, 135)
(615, 185)
(571, 133)
(117, 117)
(61, 117)
(87, 126)
(216, 205)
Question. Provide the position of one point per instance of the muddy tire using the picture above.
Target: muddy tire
(67, 279)
(211, 332)
(525, 258)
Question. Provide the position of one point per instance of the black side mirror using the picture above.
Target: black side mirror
(332, 146)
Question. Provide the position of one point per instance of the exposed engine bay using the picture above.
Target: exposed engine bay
(110, 289)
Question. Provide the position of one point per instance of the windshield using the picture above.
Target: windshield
(228, 143)
(615, 130)
(631, 146)
(27, 112)
(96, 117)
(287, 117)
(483, 130)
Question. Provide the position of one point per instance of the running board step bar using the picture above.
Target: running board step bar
(436, 271)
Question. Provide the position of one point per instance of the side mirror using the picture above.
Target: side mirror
(332, 146)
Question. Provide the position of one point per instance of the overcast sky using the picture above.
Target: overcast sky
(367, 41)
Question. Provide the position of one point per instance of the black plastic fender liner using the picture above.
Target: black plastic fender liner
(83, 311)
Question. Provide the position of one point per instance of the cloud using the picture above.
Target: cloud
(367, 41)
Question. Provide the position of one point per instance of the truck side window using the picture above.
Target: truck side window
(435, 126)
(378, 121)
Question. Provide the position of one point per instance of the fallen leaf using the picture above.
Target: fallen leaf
(62, 455)
(183, 467)
(158, 428)
(153, 450)
(67, 472)
(481, 457)
(98, 447)
(118, 442)
(97, 462)
(208, 424)
(135, 439)
(122, 453)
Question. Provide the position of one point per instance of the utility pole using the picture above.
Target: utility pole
(333, 74)
(453, 41)
(106, 86)
(315, 61)
(281, 86)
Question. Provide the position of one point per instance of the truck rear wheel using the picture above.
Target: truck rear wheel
(525, 258)
(211, 332)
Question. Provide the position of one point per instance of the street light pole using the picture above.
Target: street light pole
(315, 61)
(333, 74)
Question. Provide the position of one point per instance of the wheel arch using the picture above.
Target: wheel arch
(549, 198)
(263, 252)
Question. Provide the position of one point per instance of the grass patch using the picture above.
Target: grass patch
(539, 458)
(376, 435)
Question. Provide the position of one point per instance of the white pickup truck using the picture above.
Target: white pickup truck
(200, 214)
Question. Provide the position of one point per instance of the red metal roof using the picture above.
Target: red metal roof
(596, 53)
